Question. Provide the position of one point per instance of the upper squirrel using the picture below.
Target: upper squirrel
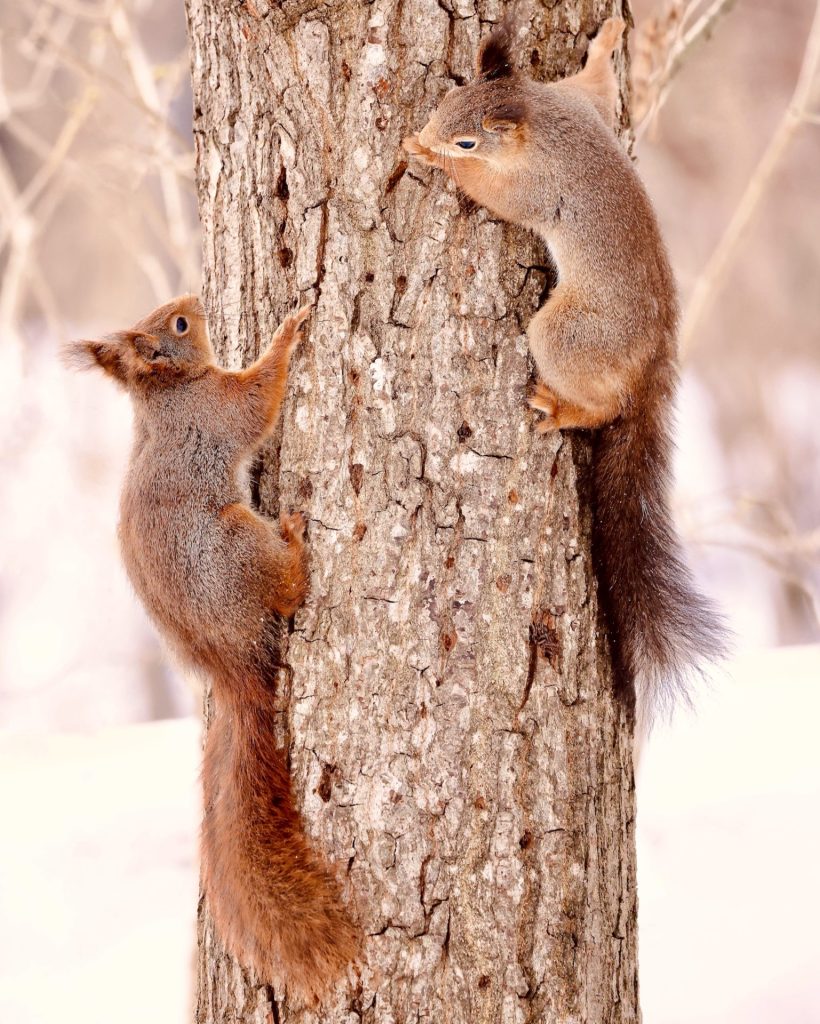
(217, 579)
(545, 156)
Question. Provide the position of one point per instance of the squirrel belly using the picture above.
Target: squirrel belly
(217, 579)
(545, 156)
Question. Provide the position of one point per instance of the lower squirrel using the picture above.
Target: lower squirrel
(545, 156)
(218, 581)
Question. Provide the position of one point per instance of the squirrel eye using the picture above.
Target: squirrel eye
(466, 143)
(180, 325)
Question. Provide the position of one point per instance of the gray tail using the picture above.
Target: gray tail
(662, 631)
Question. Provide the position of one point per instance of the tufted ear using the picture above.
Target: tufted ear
(125, 355)
(108, 355)
(495, 53)
(506, 117)
(147, 347)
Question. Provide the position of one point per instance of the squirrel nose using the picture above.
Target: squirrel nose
(424, 135)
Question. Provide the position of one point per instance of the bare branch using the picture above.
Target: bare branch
(700, 31)
(49, 169)
(668, 37)
(145, 84)
(796, 113)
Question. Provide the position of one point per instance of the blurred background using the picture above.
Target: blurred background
(99, 742)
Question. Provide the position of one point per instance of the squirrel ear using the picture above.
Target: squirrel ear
(108, 355)
(505, 118)
(494, 55)
(151, 362)
(146, 347)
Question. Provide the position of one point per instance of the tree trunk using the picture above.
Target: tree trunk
(454, 741)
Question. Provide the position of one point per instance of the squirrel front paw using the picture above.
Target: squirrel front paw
(289, 332)
(412, 146)
(609, 35)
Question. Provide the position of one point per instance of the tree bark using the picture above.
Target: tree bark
(453, 737)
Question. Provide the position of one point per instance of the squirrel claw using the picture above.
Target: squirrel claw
(541, 399)
(546, 425)
(289, 333)
(412, 146)
(295, 321)
(300, 315)
(609, 34)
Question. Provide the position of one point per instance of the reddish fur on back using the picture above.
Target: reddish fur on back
(216, 578)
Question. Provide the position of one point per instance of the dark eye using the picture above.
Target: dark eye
(466, 144)
(180, 325)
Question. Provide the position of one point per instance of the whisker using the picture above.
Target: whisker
(453, 172)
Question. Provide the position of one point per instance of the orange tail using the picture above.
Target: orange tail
(275, 904)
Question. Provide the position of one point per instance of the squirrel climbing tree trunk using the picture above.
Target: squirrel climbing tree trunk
(454, 742)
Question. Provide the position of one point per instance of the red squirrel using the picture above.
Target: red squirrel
(545, 156)
(218, 580)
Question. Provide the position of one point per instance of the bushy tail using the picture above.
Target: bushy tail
(275, 903)
(661, 629)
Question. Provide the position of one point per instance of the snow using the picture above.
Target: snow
(98, 878)
(729, 847)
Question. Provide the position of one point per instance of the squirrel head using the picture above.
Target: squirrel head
(168, 347)
(486, 119)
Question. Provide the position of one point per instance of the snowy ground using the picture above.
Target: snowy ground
(98, 876)
(729, 850)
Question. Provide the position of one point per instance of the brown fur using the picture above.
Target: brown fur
(545, 156)
(216, 578)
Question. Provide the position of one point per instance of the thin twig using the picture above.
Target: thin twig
(795, 114)
(770, 560)
(699, 32)
(52, 164)
(143, 78)
(684, 43)
(95, 75)
(21, 231)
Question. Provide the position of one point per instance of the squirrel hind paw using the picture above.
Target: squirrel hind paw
(542, 400)
(292, 526)
(547, 425)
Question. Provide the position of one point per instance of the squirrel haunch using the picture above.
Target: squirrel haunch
(216, 578)
(545, 156)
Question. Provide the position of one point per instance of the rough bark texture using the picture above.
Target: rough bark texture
(452, 734)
